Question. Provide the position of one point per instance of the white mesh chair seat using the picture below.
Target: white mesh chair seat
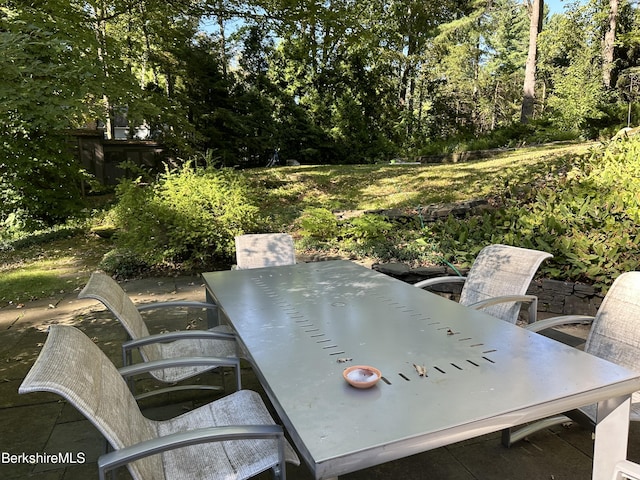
(192, 348)
(498, 281)
(219, 343)
(231, 459)
(72, 366)
(614, 336)
(258, 250)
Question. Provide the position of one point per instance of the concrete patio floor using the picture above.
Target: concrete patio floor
(43, 423)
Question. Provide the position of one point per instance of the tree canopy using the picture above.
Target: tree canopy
(334, 81)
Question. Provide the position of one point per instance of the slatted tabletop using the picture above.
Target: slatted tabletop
(301, 325)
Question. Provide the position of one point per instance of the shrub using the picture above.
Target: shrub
(368, 228)
(40, 189)
(319, 223)
(123, 264)
(513, 135)
(190, 216)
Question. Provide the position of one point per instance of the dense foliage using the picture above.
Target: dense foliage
(332, 82)
(42, 87)
(189, 218)
(584, 209)
(587, 214)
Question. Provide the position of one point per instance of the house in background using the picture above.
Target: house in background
(107, 159)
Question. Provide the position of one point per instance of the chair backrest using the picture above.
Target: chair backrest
(105, 289)
(258, 250)
(615, 332)
(500, 270)
(72, 366)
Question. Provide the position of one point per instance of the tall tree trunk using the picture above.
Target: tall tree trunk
(494, 113)
(408, 83)
(475, 112)
(407, 70)
(609, 40)
(101, 37)
(528, 97)
(223, 44)
(146, 54)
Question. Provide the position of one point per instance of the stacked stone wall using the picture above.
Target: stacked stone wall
(554, 297)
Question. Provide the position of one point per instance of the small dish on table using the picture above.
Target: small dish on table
(362, 376)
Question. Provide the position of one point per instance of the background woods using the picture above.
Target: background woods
(320, 82)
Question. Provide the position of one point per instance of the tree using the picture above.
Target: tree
(569, 61)
(506, 55)
(66, 64)
(609, 43)
(46, 83)
(528, 99)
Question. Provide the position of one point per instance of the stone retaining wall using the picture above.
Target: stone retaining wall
(554, 297)
(565, 298)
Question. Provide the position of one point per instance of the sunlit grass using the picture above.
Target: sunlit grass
(39, 279)
(384, 186)
(49, 269)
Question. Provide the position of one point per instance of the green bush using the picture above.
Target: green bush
(189, 217)
(318, 223)
(123, 264)
(38, 190)
(368, 228)
(509, 136)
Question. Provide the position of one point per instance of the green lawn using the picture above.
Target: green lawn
(65, 265)
(370, 187)
(43, 270)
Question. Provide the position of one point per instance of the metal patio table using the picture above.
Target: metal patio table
(302, 325)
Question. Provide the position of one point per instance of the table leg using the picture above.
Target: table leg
(213, 315)
(612, 434)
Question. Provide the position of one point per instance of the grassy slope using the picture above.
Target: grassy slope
(367, 187)
(65, 265)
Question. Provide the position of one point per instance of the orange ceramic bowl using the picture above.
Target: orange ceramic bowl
(362, 376)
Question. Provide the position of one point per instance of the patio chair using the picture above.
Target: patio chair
(231, 438)
(498, 281)
(626, 470)
(258, 250)
(614, 335)
(216, 342)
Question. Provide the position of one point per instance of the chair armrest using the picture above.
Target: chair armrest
(438, 280)
(126, 455)
(179, 362)
(558, 321)
(503, 299)
(179, 335)
(626, 469)
(176, 303)
(130, 370)
(532, 300)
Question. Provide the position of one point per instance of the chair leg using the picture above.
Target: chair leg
(510, 436)
(280, 470)
(127, 360)
(533, 311)
(276, 472)
(108, 448)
